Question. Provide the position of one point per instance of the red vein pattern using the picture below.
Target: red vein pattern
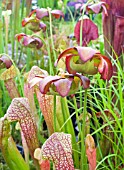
(46, 106)
(58, 148)
(19, 110)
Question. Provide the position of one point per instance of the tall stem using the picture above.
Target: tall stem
(28, 6)
(70, 130)
(81, 26)
(54, 111)
(15, 22)
(6, 18)
(51, 72)
(1, 29)
(76, 111)
(81, 101)
(51, 35)
(83, 151)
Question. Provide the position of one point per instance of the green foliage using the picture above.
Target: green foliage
(103, 99)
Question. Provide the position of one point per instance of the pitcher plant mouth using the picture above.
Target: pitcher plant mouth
(29, 41)
(86, 61)
(33, 21)
(63, 84)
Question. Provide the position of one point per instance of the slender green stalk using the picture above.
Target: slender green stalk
(51, 35)
(70, 130)
(22, 8)
(6, 15)
(15, 23)
(54, 111)
(6, 33)
(83, 151)
(51, 72)
(1, 27)
(72, 18)
(28, 59)
(76, 111)
(102, 91)
(28, 6)
(81, 26)
(64, 128)
(81, 101)
(20, 55)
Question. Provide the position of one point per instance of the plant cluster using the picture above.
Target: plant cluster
(77, 77)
